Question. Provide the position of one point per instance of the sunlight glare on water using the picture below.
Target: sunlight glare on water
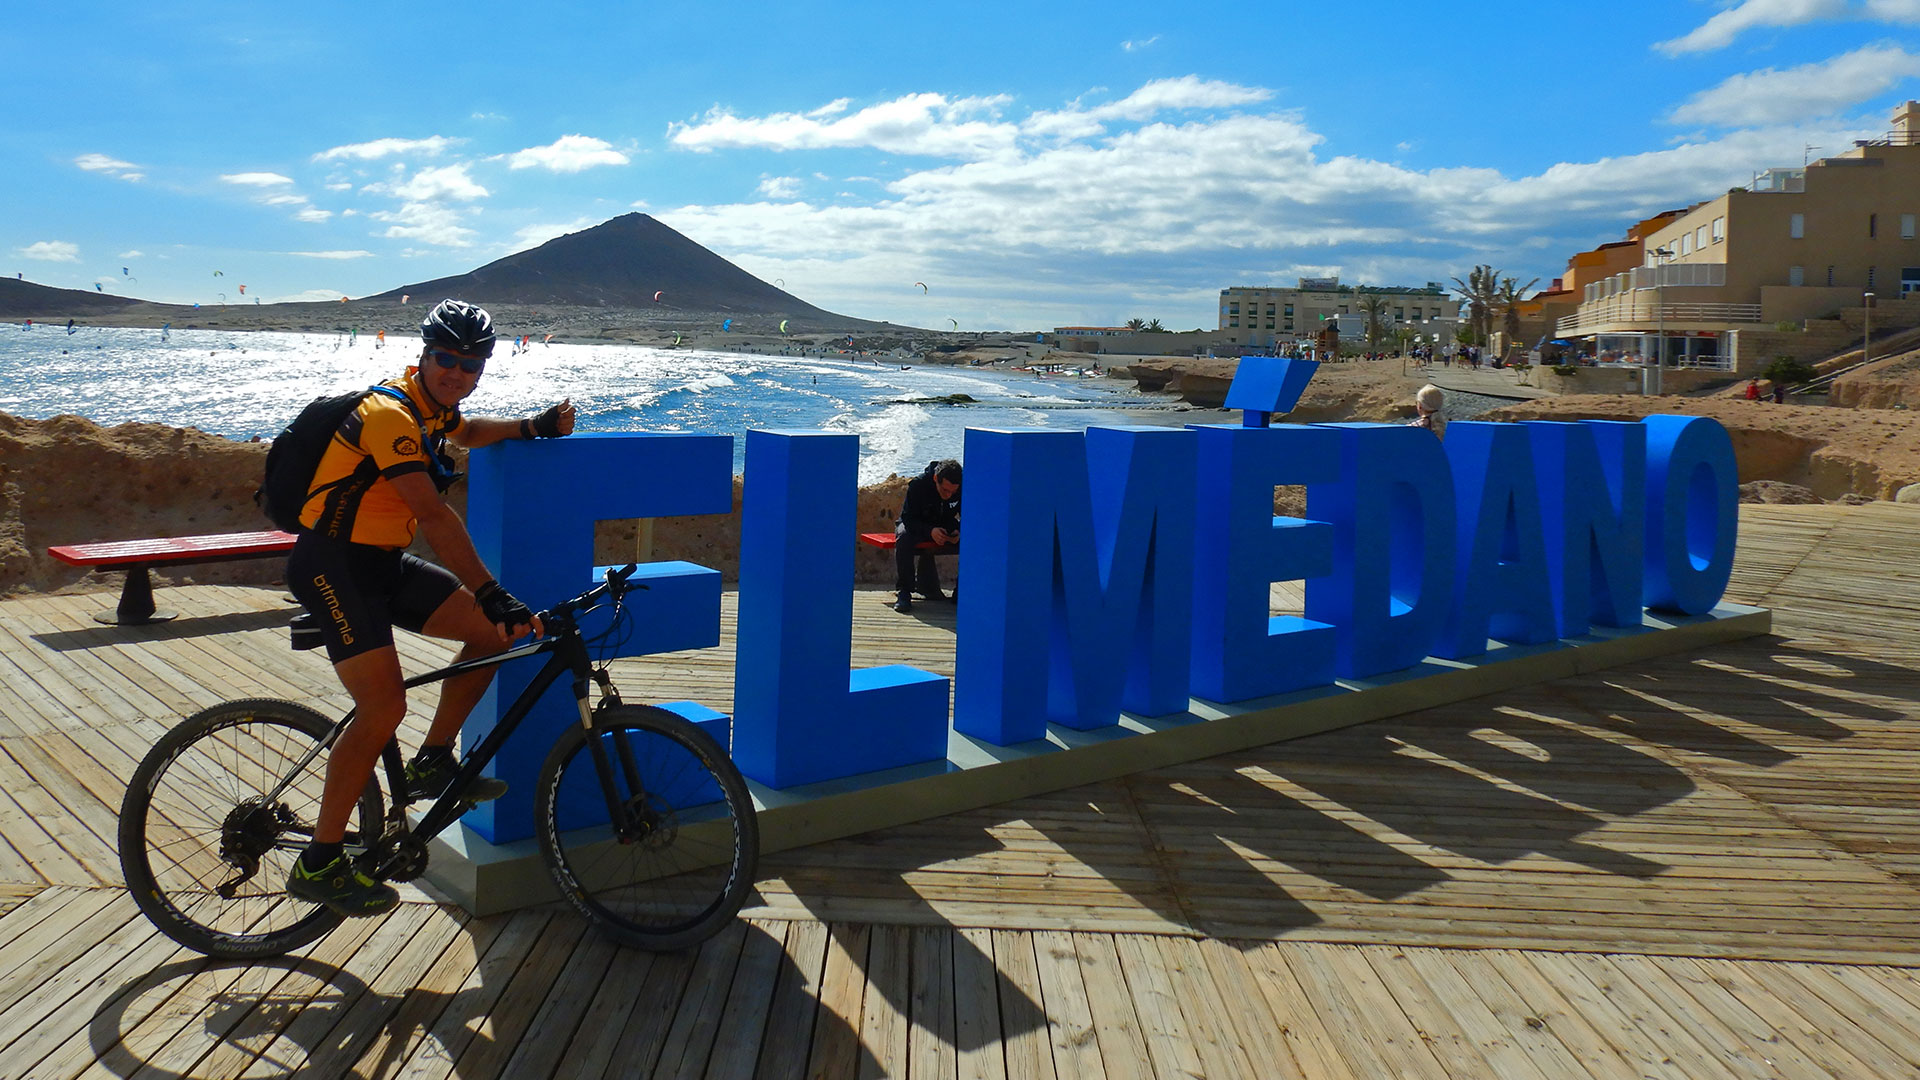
(240, 385)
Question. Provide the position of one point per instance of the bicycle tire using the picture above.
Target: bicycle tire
(686, 879)
(186, 828)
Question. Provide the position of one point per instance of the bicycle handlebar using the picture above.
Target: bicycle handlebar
(616, 585)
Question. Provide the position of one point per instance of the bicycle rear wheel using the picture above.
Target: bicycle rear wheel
(206, 852)
(669, 866)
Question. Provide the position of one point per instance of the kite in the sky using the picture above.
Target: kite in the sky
(656, 296)
(923, 287)
(726, 326)
(218, 273)
(243, 290)
(783, 326)
(403, 297)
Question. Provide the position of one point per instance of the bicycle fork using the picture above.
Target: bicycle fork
(632, 818)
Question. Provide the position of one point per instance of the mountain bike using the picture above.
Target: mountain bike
(643, 821)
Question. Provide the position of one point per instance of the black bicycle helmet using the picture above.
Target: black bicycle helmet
(460, 326)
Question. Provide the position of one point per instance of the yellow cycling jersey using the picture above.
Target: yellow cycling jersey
(350, 497)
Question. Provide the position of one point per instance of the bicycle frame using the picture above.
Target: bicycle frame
(569, 656)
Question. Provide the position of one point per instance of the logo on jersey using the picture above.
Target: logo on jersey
(406, 446)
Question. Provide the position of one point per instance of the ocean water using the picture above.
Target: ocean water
(245, 384)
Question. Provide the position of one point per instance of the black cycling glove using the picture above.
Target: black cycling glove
(547, 424)
(499, 606)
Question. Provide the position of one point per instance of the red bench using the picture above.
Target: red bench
(885, 541)
(136, 556)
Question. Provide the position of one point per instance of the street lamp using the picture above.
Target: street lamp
(1660, 256)
(1866, 337)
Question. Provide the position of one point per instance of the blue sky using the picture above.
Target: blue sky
(1036, 165)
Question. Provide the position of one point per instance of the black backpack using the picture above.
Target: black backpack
(295, 455)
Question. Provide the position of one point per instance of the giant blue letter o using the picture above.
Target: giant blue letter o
(1693, 513)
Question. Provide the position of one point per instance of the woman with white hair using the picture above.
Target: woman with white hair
(1426, 406)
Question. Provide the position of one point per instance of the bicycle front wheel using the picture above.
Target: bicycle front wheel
(213, 819)
(647, 827)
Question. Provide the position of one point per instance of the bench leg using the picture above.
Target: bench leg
(136, 603)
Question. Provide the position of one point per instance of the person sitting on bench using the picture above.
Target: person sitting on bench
(930, 512)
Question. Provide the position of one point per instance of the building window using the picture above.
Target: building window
(1700, 237)
(1906, 226)
(1873, 225)
(1870, 277)
(1399, 314)
(1797, 226)
(1686, 243)
(1234, 322)
(1233, 309)
(1829, 275)
(1719, 229)
(1796, 275)
(1289, 311)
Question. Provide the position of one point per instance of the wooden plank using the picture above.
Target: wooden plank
(1298, 1019)
(506, 1022)
(976, 1007)
(930, 1038)
(1209, 1016)
(1124, 1026)
(883, 1012)
(1244, 1005)
(743, 1020)
(1343, 970)
(835, 1050)
(689, 1041)
(1446, 1038)
(1522, 1002)
(1076, 1046)
(589, 1053)
(1641, 1028)
(1024, 1030)
(787, 1043)
(652, 1011)
(1776, 1050)
(556, 1021)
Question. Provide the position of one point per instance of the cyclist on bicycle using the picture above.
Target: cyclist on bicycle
(382, 476)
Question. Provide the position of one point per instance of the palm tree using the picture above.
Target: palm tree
(1374, 307)
(1509, 298)
(1481, 291)
(1136, 324)
(1154, 327)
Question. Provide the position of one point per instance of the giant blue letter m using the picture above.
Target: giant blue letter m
(1077, 560)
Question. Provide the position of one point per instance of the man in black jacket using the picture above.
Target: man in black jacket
(931, 511)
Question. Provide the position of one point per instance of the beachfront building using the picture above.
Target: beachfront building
(1263, 318)
(1795, 244)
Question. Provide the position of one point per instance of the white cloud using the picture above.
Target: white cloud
(429, 185)
(313, 213)
(1771, 96)
(970, 128)
(123, 170)
(283, 199)
(1135, 46)
(51, 251)
(1894, 11)
(1160, 209)
(309, 296)
(130, 254)
(331, 254)
(256, 179)
(427, 222)
(779, 187)
(1719, 31)
(341, 185)
(379, 148)
(567, 154)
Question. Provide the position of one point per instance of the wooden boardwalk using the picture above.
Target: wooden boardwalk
(1701, 866)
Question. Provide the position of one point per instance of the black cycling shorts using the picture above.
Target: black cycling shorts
(358, 593)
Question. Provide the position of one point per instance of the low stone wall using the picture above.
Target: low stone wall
(67, 480)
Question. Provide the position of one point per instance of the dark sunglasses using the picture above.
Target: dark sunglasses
(472, 365)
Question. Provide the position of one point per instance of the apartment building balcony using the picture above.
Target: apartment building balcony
(1636, 313)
